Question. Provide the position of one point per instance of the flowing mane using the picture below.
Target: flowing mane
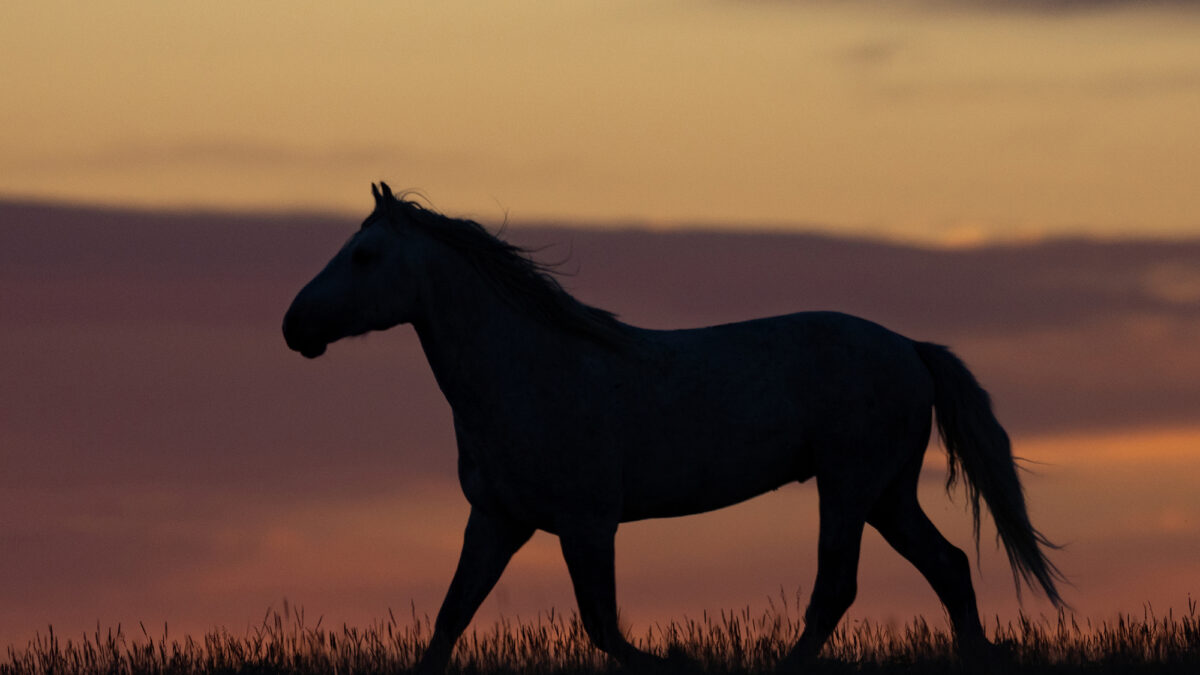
(525, 283)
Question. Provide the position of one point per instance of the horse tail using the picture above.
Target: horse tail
(978, 448)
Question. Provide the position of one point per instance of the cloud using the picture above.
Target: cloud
(871, 53)
(145, 347)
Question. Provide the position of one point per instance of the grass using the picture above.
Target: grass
(736, 643)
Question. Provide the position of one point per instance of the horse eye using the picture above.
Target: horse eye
(362, 256)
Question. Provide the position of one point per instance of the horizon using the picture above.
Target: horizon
(504, 222)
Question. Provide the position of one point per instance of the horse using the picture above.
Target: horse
(569, 421)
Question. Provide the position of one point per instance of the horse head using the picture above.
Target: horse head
(370, 284)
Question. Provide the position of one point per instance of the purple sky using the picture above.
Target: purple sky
(164, 457)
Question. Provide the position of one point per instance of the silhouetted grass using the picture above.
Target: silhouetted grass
(737, 643)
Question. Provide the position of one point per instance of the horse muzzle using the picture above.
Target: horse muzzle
(311, 351)
(308, 347)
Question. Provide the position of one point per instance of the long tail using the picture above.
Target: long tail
(978, 447)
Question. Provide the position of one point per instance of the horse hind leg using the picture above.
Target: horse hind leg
(904, 525)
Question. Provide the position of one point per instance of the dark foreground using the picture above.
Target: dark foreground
(730, 643)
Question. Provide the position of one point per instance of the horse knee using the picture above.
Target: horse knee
(844, 596)
(829, 602)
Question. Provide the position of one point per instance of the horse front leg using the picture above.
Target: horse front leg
(588, 551)
(488, 544)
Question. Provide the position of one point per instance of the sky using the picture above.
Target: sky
(1013, 179)
(920, 120)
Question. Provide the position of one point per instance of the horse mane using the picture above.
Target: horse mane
(525, 283)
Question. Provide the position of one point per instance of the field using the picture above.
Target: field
(728, 643)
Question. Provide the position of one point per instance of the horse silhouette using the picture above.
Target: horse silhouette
(570, 421)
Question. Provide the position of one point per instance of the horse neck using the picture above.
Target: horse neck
(476, 342)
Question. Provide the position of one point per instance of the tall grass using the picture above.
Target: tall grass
(734, 643)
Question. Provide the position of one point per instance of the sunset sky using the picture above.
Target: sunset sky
(172, 173)
(920, 120)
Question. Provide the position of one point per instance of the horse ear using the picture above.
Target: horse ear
(379, 203)
(387, 191)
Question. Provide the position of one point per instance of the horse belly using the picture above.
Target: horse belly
(707, 474)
